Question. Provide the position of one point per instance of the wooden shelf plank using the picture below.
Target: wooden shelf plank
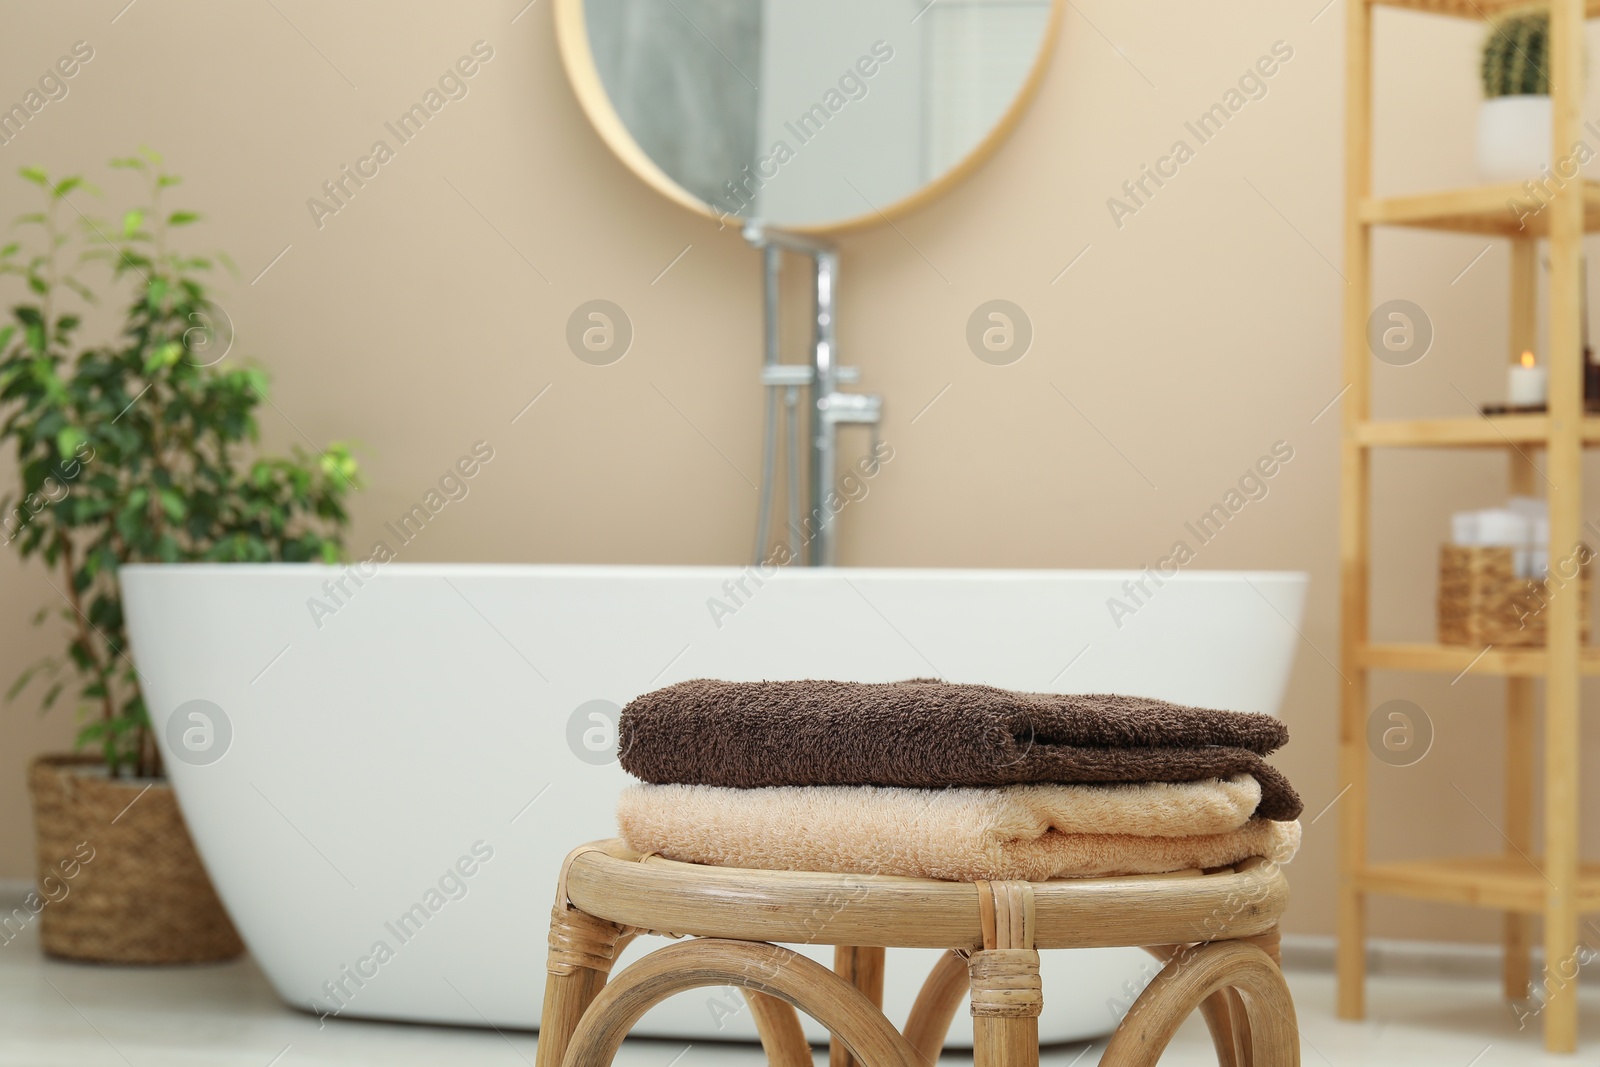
(1508, 883)
(1472, 9)
(1454, 659)
(1490, 209)
(1499, 431)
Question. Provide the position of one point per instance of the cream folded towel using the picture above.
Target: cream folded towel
(1029, 832)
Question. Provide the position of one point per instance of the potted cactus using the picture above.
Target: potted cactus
(1514, 124)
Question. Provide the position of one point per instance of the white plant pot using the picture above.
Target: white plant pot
(1514, 137)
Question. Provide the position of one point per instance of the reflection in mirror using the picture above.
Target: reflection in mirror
(810, 114)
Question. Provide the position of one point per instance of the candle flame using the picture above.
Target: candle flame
(1527, 359)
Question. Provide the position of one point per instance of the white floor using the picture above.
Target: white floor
(54, 1013)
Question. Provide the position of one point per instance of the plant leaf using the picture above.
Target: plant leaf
(68, 440)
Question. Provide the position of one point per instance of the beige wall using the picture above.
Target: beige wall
(1194, 337)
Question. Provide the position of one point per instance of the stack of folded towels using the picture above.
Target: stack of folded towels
(932, 779)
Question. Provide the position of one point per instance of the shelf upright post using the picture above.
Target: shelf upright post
(1565, 473)
(1516, 964)
(1354, 524)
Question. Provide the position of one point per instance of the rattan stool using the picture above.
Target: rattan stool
(1217, 932)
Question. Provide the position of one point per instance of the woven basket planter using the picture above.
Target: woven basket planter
(1483, 602)
(138, 893)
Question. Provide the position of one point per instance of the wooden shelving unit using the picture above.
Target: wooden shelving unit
(1529, 880)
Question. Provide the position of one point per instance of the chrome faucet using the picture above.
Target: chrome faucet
(812, 535)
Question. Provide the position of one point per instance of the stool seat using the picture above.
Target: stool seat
(1215, 932)
(607, 880)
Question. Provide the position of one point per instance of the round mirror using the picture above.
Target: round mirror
(808, 115)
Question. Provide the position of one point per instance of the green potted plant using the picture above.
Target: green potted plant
(139, 449)
(1514, 122)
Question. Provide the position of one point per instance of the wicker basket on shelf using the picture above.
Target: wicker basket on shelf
(1483, 602)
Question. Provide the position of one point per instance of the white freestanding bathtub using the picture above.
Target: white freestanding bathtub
(400, 763)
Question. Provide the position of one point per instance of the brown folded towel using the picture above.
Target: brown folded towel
(931, 734)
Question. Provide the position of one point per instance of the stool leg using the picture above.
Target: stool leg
(582, 949)
(1269, 941)
(754, 965)
(1223, 1012)
(862, 967)
(1226, 1013)
(935, 1007)
(782, 1038)
(1006, 1000)
(1259, 1002)
(1226, 1020)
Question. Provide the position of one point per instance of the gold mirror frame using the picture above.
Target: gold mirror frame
(572, 38)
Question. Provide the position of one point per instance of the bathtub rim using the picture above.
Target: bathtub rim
(651, 570)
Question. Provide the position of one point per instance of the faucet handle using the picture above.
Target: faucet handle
(792, 375)
(852, 407)
(847, 375)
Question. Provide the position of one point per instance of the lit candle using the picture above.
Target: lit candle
(1526, 387)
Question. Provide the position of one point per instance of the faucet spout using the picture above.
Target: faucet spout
(830, 407)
